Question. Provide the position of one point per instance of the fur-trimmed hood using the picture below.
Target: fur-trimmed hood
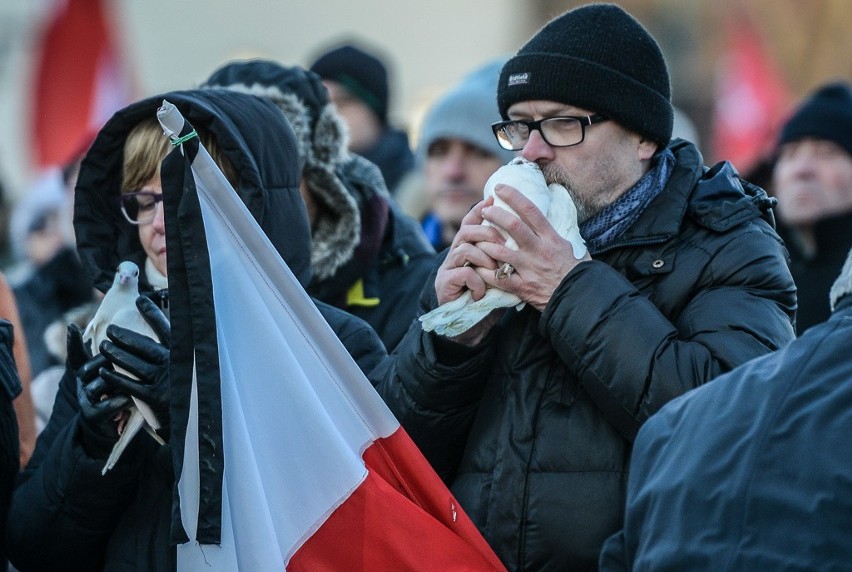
(323, 141)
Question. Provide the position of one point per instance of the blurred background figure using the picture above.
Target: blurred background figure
(357, 81)
(10, 388)
(456, 153)
(53, 281)
(23, 402)
(812, 180)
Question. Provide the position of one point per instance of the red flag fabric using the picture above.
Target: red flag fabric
(318, 474)
(79, 81)
(752, 98)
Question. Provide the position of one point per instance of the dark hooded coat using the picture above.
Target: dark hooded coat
(65, 515)
(769, 487)
(532, 429)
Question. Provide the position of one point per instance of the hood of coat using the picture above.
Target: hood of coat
(323, 141)
(251, 132)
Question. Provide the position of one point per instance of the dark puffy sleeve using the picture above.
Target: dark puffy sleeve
(737, 298)
(434, 386)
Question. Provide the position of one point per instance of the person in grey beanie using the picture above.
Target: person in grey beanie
(530, 416)
(812, 180)
(457, 151)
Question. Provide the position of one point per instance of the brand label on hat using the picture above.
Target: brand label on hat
(519, 78)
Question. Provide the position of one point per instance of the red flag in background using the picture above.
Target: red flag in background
(752, 98)
(79, 81)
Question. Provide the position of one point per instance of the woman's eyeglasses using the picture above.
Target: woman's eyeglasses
(140, 207)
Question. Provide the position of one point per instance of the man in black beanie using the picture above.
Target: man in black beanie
(531, 414)
(357, 83)
(812, 180)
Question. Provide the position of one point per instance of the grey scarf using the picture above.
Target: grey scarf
(602, 229)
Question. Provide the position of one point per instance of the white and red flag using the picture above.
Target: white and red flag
(80, 79)
(306, 469)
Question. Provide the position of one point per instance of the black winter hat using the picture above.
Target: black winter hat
(826, 114)
(363, 74)
(600, 58)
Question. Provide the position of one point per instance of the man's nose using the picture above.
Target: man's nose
(536, 147)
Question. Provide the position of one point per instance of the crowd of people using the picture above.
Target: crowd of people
(651, 404)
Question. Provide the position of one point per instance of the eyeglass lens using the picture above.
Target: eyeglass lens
(141, 207)
(556, 131)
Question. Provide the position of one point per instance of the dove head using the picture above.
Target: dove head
(519, 173)
(127, 274)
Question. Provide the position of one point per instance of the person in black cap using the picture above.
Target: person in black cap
(531, 414)
(812, 180)
(357, 82)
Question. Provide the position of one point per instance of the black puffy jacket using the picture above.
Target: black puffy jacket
(533, 428)
(65, 515)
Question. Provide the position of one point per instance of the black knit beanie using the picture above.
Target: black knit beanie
(363, 74)
(600, 58)
(826, 114)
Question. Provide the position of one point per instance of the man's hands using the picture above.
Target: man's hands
(541, 262)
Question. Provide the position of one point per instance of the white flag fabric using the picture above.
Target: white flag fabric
(303, 432)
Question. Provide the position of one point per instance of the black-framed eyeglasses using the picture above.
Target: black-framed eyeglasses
(562, 131)
(139, 207)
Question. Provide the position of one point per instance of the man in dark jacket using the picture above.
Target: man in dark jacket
(65, 515)
(812, 180)
(770, 486)
(530, 415)
(368, 257)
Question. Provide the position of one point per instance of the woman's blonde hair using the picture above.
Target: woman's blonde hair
(146, 147)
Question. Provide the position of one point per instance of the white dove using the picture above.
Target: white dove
(457, 316)
(119, 307)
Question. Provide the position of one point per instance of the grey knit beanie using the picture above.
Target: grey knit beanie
(600, 58)
(466, 112)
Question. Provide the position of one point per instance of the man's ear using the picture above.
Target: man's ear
(646, 149)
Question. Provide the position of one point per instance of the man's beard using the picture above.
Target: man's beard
(586, 209)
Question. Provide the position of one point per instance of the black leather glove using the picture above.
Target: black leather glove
(143, 358)
(99, 406)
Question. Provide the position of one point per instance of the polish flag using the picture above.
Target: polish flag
(752, 98)
(305, 469)
(79, 82)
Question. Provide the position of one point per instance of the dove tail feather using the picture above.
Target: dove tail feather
(444, 312)
(134, 424)
(456, 317)
(153, 434)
